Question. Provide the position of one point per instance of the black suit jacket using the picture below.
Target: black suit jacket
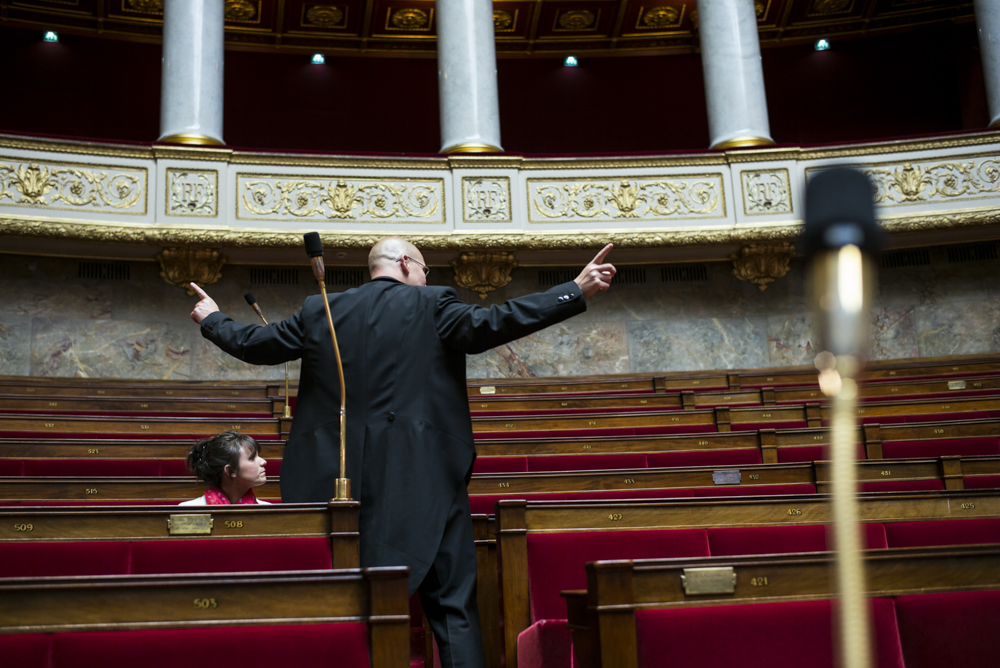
(409, 433)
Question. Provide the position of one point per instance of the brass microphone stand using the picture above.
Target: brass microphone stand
(342, 486)
(253, 304)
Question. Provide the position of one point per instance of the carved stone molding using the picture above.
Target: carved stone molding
(761, 264)
(182, 266)
(483, 272)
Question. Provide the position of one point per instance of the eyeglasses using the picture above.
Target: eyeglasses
(427, 269)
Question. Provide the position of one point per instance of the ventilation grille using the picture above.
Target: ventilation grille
(274, 276)
(630, 275)
(109, 271)
(972, 252)
(348, 277)
(918, 257)
(550, 277)
(684, 273)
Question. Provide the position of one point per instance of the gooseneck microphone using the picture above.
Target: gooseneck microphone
(256, 309)
(841, 240)
(314, 249)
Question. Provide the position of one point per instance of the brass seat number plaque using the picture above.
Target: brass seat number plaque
(189, 525)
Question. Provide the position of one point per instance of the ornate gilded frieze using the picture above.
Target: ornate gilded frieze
(483, 272)
(766, 191)
(182, 266)
(72, 187)
(674, 197)
(289, 197)
(761, 264)
(928, 181)
(486, 199)
(192, 192)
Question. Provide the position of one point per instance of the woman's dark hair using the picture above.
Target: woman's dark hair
(208, 458)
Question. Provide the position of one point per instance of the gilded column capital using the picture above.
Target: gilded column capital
(182, 266)
(483, 272)
(761, 264)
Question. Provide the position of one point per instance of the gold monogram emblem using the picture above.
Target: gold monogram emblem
(577, 19)
(409, 19)
(660, 17)
(324, 16)
(502, 20)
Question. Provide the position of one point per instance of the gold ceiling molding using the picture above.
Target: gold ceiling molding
(218, 237)
(183, 266)
(762, 264)
(483, 272)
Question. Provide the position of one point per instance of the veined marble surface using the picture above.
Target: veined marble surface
(55, 324)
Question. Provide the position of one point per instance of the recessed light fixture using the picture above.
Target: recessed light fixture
(318, 59)
(822, 45)
(570, 61)
(51, 36)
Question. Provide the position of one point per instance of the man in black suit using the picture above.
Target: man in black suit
(409, 433)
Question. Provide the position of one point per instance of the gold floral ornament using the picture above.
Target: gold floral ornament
(182, 266)
(409, 19)
(483, 272)
(947, 180)
(761, 264)
(324, 16)
(625, 199)
(502, 20)
(831, 6)
(45, 186)
(240, 10)
(340, 199)
(576, 19)
(659, 17)
(147, 6)
(760, 9)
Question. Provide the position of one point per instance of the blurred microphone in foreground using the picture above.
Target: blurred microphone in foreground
(256, 309)
(841, 241)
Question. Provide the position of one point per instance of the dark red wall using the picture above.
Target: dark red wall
(918, 82)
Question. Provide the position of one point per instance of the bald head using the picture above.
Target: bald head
(383, 260)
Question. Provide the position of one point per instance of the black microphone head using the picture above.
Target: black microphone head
(840, 212)
(250, 298)
(314, 245)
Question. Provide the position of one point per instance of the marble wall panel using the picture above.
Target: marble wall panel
(689, 344)
(791, 340)
(569, 348)
(15, 345)
(67, 347)
(211, 363)
(958, 328)
(893, 334)
(938, 282)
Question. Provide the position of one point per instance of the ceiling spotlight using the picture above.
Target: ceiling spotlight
(318, 59)
(570, 61)
(822, 45)
(51, 36)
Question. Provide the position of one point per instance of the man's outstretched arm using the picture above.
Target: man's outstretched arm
(273, 344)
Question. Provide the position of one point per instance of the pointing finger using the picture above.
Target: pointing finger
(201, 293)
(599, 258)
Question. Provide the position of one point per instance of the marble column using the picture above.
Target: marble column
(988, 26)
(467, 77)
(191, 88)
(734, 78)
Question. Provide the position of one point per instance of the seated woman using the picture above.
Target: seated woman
(231, 465)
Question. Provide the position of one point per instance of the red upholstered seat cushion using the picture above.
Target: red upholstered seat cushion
(556, 560)
(587, 462)
(703, 458)
(760, 635)
(902, 486)
(811, 453)
(11, 467)
(943, 532)
(300, 645)
(942, 447)
(676, 429)
(91, 467)
(731, 541)
(982, 482)
(612, 494)
(230, 555)
(30, 650)
(545, 644)
(941, 417)
(45, 558)
(177, 467)
(754, 426)
(950, 629)
(753, 490)
(500, 465)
